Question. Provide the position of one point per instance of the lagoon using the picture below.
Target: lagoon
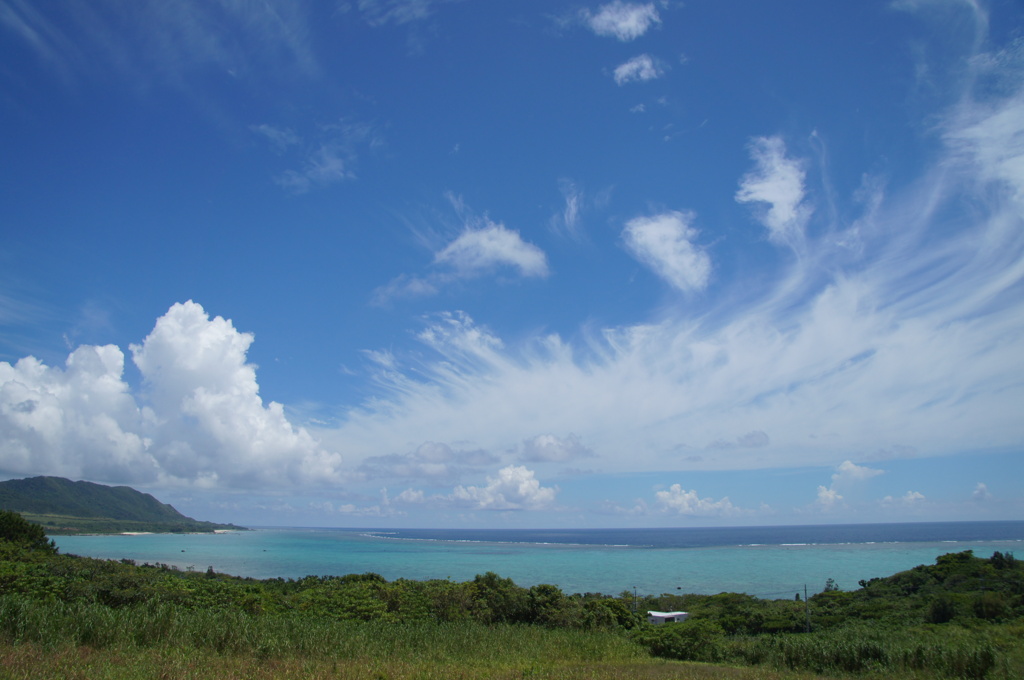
(774, 562)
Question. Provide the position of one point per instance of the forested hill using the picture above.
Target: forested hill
(64, 506)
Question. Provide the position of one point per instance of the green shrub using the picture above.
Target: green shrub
(692, 640)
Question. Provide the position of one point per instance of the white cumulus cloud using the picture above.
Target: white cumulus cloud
(828, 498)
(907, 500)
(199, 419)
(515, 488)
(623, 20)
(80, 421)
(679, 501)
(665, 244)
(481, 247)
(846, 474)
(637, 69)
(849, 471)
(210, 419)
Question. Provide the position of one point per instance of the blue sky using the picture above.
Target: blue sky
(530, 264)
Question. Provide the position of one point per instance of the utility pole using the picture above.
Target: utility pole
(807, 609)
(634, 599)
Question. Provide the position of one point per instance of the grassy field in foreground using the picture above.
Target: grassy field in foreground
(35, 662)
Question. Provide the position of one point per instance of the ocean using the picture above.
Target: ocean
(769, 562)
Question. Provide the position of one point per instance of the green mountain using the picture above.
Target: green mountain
(64, 506)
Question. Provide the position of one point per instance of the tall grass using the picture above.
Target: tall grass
(844, 652)
(58, 624)
(32, 662)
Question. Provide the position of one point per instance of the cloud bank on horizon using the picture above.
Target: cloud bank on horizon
(804, 332)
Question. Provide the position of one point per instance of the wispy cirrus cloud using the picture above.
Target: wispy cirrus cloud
(327, 157)
(165, 41)
(430, 462)
(807, 357)
(380, 12)
(280, 138)
(568, 220)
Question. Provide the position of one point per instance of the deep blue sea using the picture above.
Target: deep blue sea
(761, 561)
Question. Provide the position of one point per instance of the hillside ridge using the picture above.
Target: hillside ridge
(66, 506)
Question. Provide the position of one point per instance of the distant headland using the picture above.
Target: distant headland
(64, 507)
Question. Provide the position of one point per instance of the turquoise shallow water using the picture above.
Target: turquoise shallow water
(765, 570)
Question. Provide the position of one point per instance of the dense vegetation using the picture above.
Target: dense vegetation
(962, 617)
(67, 507)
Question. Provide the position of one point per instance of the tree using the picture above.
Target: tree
(549, 606)
(1001, 561)
(990, 606)
(18, 530)
(941, 610)
(500, 599)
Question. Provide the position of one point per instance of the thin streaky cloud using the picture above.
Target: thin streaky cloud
(35, 30)
(569, 220)
(329, 157)
(238, 38)
(381, 12)
(280, 138)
